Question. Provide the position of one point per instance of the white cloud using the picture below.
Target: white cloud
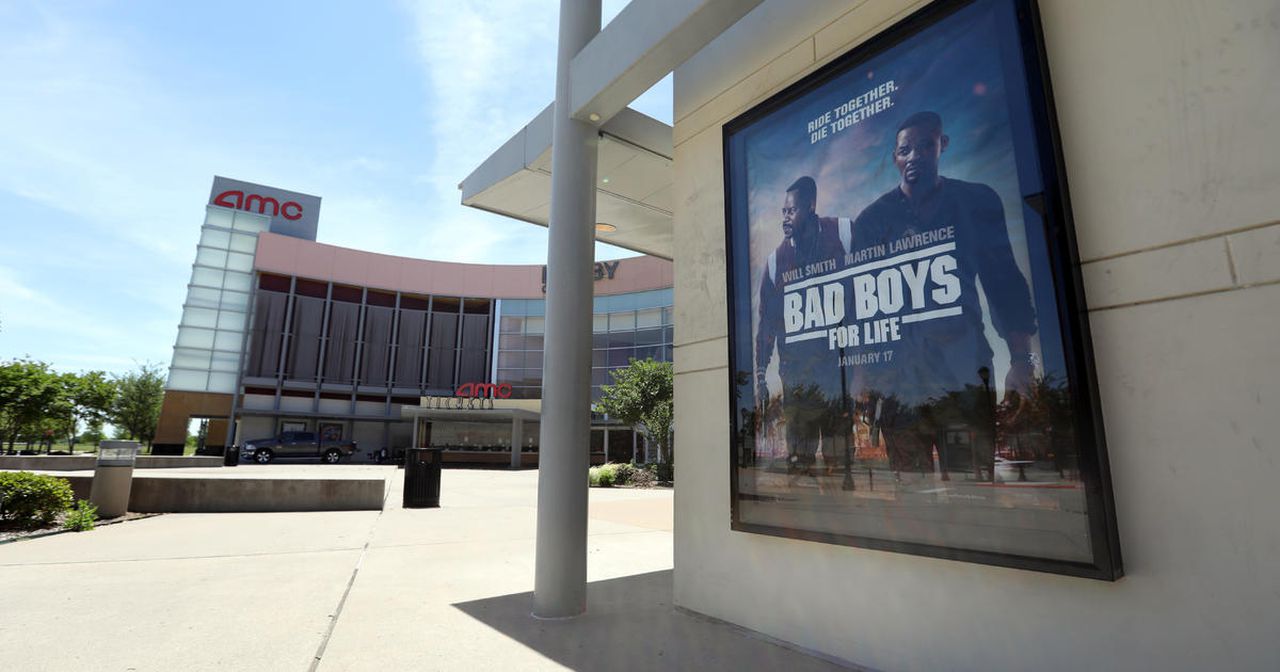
(490, 69)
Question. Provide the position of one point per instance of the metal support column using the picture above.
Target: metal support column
(560, 574)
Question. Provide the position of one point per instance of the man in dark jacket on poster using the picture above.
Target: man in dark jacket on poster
(813, 399)
(939, 235)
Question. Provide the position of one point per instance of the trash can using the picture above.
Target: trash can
(231, 456)
(422, 478)
(113, 477)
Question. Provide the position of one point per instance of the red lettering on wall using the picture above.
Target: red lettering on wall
(224, 199)
(484, 391)
(297, 210)
(236, 199)
(262, 202)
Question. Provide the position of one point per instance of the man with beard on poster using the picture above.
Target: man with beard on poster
(946, 235)
(814, 399)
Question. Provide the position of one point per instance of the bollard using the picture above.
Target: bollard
(113, 478)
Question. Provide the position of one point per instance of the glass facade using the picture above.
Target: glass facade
(624, 327)
(206, 354)
(339, 338)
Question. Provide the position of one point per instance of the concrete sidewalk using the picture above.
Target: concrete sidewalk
(434, 589)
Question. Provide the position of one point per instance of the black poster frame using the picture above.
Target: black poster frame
(1068, 290)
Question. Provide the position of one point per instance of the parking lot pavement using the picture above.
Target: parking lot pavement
(445, 588)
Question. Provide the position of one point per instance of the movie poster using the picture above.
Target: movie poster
(900, 370)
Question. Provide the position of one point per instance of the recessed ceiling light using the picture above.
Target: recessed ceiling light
(593, 117)
(601, 227)
(605, 180)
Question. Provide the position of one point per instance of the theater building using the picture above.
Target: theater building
(282, 333)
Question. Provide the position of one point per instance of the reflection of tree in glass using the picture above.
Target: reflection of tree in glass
(1039, 426)
(757, 421)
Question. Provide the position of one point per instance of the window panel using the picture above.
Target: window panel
(304, 348)
(182, 379)
(243, 221)
(199, 317)
(235, 301)
(510, 360)
(444, 330)
(218, 217)
(225, 361)
(215, 239)
(203, 297)
(534, 325)
(649, 337)
(207, 256)
(340, 353)
(243, 242)
(533, 342)
(621, 356)
(510, 343)
(440, 368)
(622, 321)
(228, 340)
(622, 339)
(472, 367)
(512, 325)
(376, 354)
(240, 282)
(265, 341)
(230, 320)
(222, 382)
(650, 352)
(207, 277)
(599, 323)
(191, 358)
(598, 357)
(238, 261)
(190, 337)
(409, 353)
(651, 317)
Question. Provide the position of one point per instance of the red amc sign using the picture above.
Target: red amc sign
(483, 391)
(239, 200)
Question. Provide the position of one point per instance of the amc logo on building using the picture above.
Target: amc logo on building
(263, 205)
(483, 391)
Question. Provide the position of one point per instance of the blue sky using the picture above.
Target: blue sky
(114, 117)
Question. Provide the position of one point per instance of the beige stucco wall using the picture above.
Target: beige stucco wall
(1168, 112)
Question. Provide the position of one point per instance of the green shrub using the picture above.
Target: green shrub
(81, 518)
(33, 500)
(622, 473)
(642, 478)
(602, 476)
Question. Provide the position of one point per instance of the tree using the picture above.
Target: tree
(28, 393)
(137, 404)
(642, 396)
(89, 399)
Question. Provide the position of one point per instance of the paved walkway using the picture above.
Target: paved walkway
(432, 589)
